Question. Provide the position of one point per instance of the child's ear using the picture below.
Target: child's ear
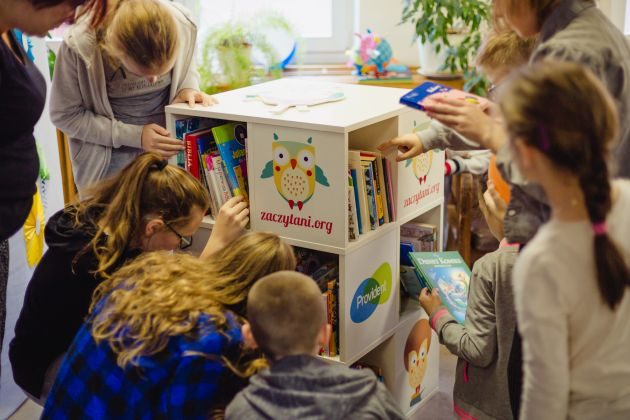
(248, 338)
(323, 337)
(153, 226)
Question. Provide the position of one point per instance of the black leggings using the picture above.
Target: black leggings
(4, 278)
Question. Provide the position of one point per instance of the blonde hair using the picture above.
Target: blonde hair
(564, 111)
(116, 207)
(161, 295)
(143, 30)
(285, 312)
(504, 49)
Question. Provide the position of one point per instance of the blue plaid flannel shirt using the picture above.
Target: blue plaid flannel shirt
(181, 382)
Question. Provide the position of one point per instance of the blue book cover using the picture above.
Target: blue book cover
(371, 198)
(353, 174)
(448, 273)
(230, 139)
(418, 94)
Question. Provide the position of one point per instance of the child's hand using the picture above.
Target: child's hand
(230, 224)
(493, 207)
(467, 119)
(430, 301)
(191, 96)
(409, 144)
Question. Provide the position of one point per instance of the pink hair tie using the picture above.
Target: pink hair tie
(600, 228)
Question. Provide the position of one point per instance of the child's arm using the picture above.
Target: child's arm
(475, 162)
(542, 316)
(436, 136)
(476, 341)
(69, 113)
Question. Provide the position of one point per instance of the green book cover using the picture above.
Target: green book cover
(230, 139)
(448, 273)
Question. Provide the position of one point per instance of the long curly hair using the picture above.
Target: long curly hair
(146, 186)
(160, 295)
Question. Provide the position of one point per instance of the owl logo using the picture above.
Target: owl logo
(421, 165)
(294, 171)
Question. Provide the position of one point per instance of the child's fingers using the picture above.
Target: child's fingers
(435, 293)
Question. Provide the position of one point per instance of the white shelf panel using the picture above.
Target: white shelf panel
(363, 106)
(329, 359)
(370, 236)
(421, 210)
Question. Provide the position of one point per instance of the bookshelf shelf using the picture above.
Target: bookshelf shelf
(370, 320)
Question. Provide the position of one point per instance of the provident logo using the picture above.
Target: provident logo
(372, 292)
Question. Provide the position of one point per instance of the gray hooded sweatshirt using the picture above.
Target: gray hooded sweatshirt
(306, 387)
(79, 105)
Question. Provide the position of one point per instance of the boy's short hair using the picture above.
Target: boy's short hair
(285, 312)
(504, 49)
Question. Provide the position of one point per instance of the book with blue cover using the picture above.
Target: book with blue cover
(417, 95)
(230, 139)
(448, 273)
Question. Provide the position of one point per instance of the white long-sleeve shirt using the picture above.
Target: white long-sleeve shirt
(576, 351)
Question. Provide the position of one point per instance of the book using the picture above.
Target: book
(417, 95)
(390, 189)
(230, 139)
(378, 164)
(422, 235)
(354, 160)
(333, 317)
(191, 144)
(387, 77)
(188, 125)
(378, 193)
(224, 187)
(448, 273)
(376, 369)
(370, 192)
(353, 174)
(353, 231)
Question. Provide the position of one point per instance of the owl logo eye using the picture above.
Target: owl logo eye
(413, 360)
(422, 353)
(281, 156)
(306, 159)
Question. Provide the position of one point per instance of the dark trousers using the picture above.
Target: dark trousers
(4, 278)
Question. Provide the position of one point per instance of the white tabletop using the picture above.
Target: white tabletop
(362, 106)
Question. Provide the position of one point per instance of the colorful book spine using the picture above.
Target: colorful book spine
(325, 349)
(353, 174)
(390, 190)
(378, 193)
(217, 167)
(332, 319)
(383, 185)
(230, 139)
(353, 232)
(354, 160)
(369, 189)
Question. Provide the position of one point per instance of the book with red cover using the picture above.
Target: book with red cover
(192, 151)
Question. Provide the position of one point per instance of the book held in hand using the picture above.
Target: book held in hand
(448, 273)
(417, 95)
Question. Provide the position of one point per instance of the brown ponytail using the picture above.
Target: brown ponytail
(147, 186)
(563, 110)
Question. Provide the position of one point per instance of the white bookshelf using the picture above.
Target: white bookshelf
(364, 119)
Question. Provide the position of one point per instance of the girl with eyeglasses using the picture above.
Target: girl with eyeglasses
(148, 206)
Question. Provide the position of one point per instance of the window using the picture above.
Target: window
(325, 26)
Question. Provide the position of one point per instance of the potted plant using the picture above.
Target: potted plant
(449, 35)
(235, 52)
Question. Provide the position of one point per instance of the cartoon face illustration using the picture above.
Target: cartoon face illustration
(294, 171)
(422, 165)
(416, 357)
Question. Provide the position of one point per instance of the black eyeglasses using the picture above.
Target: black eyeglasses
(184, 241)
